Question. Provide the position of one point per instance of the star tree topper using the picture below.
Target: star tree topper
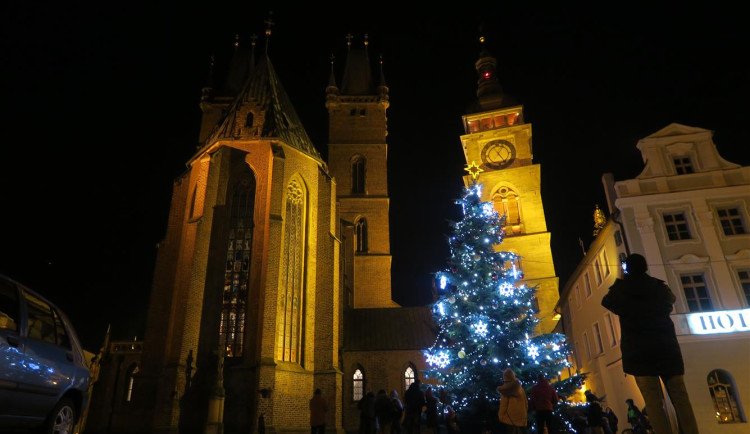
(474, 170)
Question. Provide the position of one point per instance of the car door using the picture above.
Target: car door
(11, 348)
(48, 358)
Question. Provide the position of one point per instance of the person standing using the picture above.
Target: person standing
(398, 412)
(383, 412)
(431, 411)
(611, 419)
(594, 416)
(542, 400)
(318, 411)
(634, 414)
(367, 420)
(650, 350)
(415, 400)
(513, 411)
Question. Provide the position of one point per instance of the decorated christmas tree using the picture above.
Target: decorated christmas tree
(485, 318)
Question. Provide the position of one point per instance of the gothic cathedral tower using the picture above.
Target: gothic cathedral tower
(244, 311)
(357, 159)
(499, 141)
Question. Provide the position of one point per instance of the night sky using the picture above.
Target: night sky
(101, 114)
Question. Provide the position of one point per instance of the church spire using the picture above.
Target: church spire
(269, 23)
(332, 91)
(382, 87)
(489, 91)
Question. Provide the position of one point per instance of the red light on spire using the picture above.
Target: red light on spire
(486, 75)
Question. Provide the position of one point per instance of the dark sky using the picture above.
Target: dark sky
(101, 114)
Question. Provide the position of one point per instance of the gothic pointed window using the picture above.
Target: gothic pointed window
(410, 376)
(360, 235)
(358, 385)
(507, 205)
(237, 268)
(358, 175)
(132, 370)
(724, 393)
(292, 290)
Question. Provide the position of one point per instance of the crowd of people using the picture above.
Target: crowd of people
(650, 352)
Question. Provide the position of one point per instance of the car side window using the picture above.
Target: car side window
(60, 333)
(41, 319)
(8, 306)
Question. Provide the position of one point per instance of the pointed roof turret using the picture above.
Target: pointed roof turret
(269, 23)
(239, 68)
(332, 91)
(209, 86)
(382, 87)
(357, 79)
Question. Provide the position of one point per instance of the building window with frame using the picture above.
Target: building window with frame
(683, 165)
(507, 204)
(237, 269)
(696, 292)
(358, 385)
(292, 294)
(587, 285)
(731, 221)
(744, 276)
(358, 174)
(605, 263)
(409, 376)
(587, 345)
(677, 226)
(577, 354)
(612, 329)
(360, 235)
(598, 271)
(723, 390)
(598, 338)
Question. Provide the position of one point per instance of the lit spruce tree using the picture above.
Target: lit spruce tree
(485, 319)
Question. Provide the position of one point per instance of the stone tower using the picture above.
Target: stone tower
(357, 159)
(498, 141)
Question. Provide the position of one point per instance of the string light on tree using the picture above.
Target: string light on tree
(485, 316)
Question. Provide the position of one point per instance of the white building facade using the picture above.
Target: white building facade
(592, 331)
(687, 213)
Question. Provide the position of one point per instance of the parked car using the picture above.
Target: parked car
(44, 377)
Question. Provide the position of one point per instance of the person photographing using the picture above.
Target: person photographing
(650, 350)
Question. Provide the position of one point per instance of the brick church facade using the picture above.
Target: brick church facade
(275, 268)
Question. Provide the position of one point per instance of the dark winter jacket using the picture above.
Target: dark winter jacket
(649, 342)
(414, 399)
(542, 395)
(383, 408)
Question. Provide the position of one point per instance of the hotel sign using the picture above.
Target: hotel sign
(725, 321)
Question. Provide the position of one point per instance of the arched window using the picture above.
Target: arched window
(410, 375)
(358, 385)
(358, 175)
(507, 204)
(237, 269)
(249, 119)
(292, 302)
(724, 394)
(360, 234)
(132, 370)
